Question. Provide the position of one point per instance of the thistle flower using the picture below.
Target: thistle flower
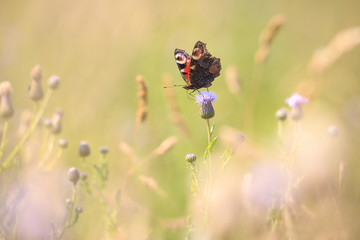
(84, 149)
(296, 101)
(36, 92)
(205, 99)
(6, 108)
(73, 175)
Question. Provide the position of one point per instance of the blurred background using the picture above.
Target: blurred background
(97, 48)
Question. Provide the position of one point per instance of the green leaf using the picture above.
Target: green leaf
(210, 148)
(212, 129)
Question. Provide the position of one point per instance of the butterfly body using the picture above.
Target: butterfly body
(198, 70)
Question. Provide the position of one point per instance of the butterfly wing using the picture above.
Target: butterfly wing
(183, 62)
(203, 67)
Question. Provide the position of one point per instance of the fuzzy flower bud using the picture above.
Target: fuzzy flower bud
(84, 149)
(281, 115)
(190, 158)
(63, 143)
(6, 108)
(104, 150)
(73, 175)
(36, 92)
(56, 122)
(205, 99)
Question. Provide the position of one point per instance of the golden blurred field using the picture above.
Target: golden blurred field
(97, 48)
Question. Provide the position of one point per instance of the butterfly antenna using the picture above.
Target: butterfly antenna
(174, 86)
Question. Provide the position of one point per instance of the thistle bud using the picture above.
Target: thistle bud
(63, 143)
(73, 175)
(205, 99)
(207, 110)
(56, 122)
(281, 115)
(83, 176)
(104, 150)
(46, 123)
(333, 131)
(68, 201)
(79, 209)
(6, 108)
(190, 158)
(36, 73)
(54, 82)
(84, 149)
(296, 113)
(36, 92)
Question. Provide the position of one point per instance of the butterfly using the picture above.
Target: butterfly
(199, 70)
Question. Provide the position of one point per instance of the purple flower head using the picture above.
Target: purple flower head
(296, 100)
(205, 97)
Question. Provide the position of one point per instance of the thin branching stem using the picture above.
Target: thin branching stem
(4, 137)
(8, 162)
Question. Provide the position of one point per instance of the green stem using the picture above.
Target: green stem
(4, 137)
(8, 162)
(56, 159)
(210, 169)
(68, 222)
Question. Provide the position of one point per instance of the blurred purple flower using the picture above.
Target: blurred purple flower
(205, 97)
(296, 100)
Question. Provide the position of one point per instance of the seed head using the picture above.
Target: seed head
(84, 149)
(166, 145)
(141, 113)
(73, 175)
(232, 80)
